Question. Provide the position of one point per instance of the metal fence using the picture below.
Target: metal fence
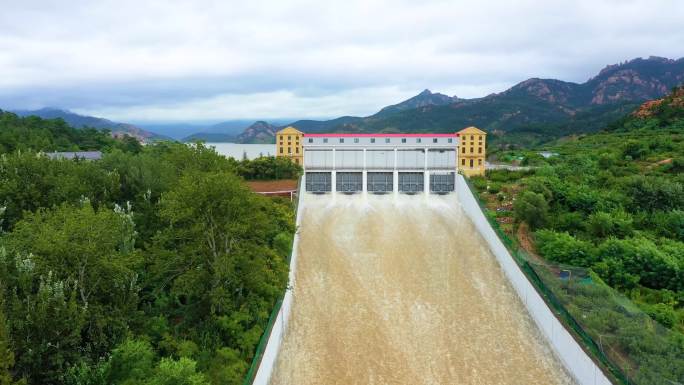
(626, 342)
(613, 370)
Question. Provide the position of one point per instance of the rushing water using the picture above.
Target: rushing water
(239, 150)
(403, 290)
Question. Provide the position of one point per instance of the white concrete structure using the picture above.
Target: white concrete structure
(578, 363)
(380, 163)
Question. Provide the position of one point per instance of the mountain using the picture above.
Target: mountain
(259, 132)
(665, 110)
(80, 121)
(423, 99)
(533, 108)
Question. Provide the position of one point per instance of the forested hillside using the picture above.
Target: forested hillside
(34, 133)
(154, 265)
(613, 203)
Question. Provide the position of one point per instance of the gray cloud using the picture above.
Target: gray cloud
(197, 60)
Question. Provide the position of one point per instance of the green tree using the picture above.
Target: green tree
(73, 283)
(130, 363)
(6, 354)
(532, 208)
(616, 223)
(564, 248)
(220, 259)
(181, 372)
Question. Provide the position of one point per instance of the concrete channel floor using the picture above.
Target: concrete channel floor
(403, 290)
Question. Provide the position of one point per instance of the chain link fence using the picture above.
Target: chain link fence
(627, 343)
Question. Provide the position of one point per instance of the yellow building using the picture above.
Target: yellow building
(471, 153)
(289, 142)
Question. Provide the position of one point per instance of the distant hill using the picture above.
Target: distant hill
(80, 121)
(259, 132)
(666, 112)
(542, 107)
(423, 99)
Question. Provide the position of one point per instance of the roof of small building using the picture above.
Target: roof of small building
(289, 130)
(88, 155)
(472, 130)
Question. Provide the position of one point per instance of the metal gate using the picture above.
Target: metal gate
(318, 182)
(349, 182)
(380, 182)
(442, 183)
(411, 182)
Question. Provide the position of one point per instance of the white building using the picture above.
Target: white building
(380, 163)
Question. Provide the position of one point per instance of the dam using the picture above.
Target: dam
(401, 289)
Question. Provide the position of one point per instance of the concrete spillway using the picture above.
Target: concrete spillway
(403, 290)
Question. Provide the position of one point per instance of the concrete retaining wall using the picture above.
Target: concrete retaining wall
(273, 345)
(576, 361)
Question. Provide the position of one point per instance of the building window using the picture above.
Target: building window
(372, 140)
(281, 150)
(289, 137)
(296, 160)
(387, 140)
(462, 162)
(341, 140)
(310, 140)
(479, 150)
(471, 163)
(479, 162)
(418, 140)
(356, 140)
(296, 150)
(463, 150)
(472, 137)
(472, 150)
(403, 140)
(281, 137)
(325, 140)
(450, 140)
(289, 150)
(434, 140)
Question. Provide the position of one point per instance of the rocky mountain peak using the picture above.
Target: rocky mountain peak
(259, 132)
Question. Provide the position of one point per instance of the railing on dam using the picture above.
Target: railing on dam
(616, 374)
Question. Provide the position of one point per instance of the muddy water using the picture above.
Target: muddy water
(404, 291)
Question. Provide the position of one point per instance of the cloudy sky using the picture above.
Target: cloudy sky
(167, 60)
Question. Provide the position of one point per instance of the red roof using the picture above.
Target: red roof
(381, 135)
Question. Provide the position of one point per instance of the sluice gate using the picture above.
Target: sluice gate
(380, 182)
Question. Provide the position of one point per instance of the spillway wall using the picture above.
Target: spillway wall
(268, 359)
(577, 362)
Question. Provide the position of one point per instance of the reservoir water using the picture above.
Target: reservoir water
(403, 290)
(238, 150)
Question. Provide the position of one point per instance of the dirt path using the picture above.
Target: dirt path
(527, 243)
